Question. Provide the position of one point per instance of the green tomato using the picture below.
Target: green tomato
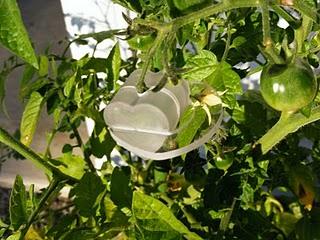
(288, 87)
(223, 163)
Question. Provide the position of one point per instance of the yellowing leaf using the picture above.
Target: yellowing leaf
(30, 118)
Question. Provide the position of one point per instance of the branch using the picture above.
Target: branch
(28, 153)
(286, 126)
(54, 187)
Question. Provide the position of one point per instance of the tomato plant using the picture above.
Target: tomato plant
(269, 185)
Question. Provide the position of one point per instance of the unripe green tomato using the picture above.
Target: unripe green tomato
(223, 163)
(289, 87)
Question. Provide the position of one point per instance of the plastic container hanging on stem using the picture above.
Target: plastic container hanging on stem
(144, 123)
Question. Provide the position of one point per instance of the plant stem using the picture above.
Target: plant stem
(268, 44)
(302, 33)
(267, 40)
(225, 5)
(227, 47)
(141, 86)
(80, 143)
(305, 9)
(28, 153)
(53, 187)
(285, 126)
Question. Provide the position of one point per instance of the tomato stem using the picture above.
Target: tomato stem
(302, 33)
(288, 123)
(28, 153)
(141, 86)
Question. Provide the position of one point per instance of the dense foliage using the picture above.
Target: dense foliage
(257, 180)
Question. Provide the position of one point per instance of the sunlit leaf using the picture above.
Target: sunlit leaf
(155, 220)
(30, 118)
(13, 34)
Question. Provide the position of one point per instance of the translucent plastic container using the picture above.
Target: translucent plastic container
(142, 123)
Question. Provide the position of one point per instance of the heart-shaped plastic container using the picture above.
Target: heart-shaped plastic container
(142, 123)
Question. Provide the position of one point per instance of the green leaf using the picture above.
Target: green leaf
(95, 65)
(113, 66)
(69, 85)
(99, 36)
(31, 203)
(200, 66)
(223, 78)
(3, 78)
(133, 5)
(247, 196)
(18, 204)
(27, 76)
(30, 118)
(43, 66)
(15, 236)
(28, 89)
(88, 194)
(185, 4)
(80, 234)
(59, 229)
(154, 220)
(190, 123)
(2, 231)
(71, 165)
(121, 193)
(13, 34)
(101, 142)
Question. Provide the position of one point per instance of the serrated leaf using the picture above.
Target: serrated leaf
(30, 118)
(200, 66)
(88, 194)
(121, 193)
(18, 204)
(13, 34)
(155, 220)
(223, 78)
(247, 196)
(190, 123)
(113, 66)
(71, 165)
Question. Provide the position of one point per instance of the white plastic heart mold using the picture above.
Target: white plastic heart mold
(142, 123)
